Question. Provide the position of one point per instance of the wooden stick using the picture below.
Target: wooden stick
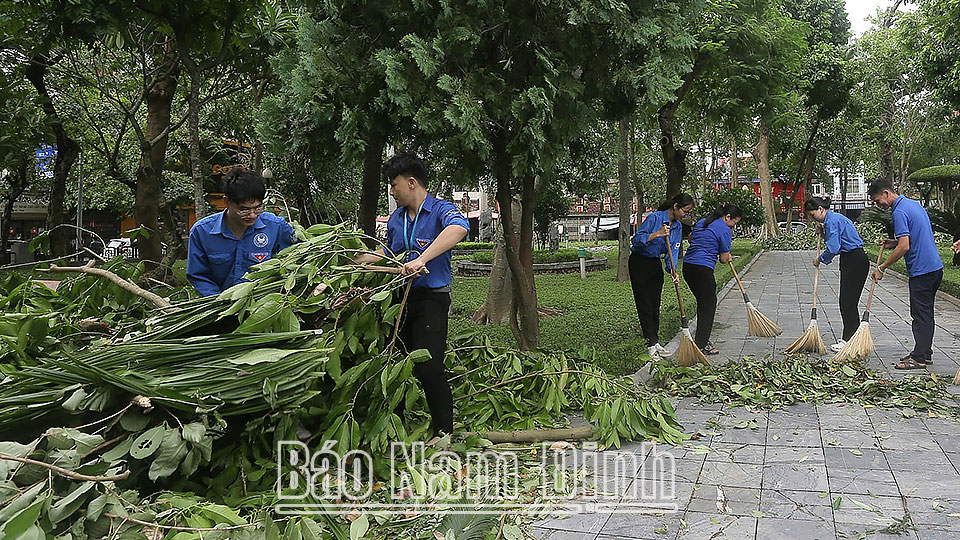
(536, 435)
(874, 284)
(388, 269)
(673, 273)
(124, 284)
(66, 472)
(816, 275)
(734, 270)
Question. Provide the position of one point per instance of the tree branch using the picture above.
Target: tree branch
(124, 284)
(66, 472)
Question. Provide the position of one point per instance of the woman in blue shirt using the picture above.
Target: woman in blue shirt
(647, 247)
(710, 240)
(841, 237)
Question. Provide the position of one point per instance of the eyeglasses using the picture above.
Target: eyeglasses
(247, 211)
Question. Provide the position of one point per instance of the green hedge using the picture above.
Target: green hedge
(539, 257)
(937, 173)
(467, 246)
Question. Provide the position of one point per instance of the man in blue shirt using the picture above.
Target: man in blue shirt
(421, 232)
(914, 242)
(223, 246)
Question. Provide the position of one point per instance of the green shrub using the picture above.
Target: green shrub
(539, 256)
(804, 239)
(746, 199)
(473, 246)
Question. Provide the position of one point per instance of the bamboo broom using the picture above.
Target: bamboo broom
(758, 324)
(861, 344)
(810, 339)
(687, 353)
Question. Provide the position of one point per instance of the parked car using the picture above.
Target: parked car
(796, 226)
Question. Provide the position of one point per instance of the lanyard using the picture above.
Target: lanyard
(408, 240)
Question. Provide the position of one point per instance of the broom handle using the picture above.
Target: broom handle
(816, 279)
(874, 284)
(673, 272)
(742, 291)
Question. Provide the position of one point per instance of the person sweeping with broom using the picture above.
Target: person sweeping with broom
(710, 240)
(914, 242)
(648, 246)
(841, 238)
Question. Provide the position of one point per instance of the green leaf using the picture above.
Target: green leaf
(221, 514)
(512, 532)
(172, 451)
(261, 356)
(66, 506)
(16, 505)
(849, 371)
(20, 523)
(118, 451)
(419, 355)
(14, 449)
(147, 443)
(836, 503)
(193, 432)
(359, 527)
(380, 296)
(134, 420)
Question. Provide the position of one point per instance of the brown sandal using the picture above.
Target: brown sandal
(909, 363)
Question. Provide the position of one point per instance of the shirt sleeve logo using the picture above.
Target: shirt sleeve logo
(260, 257)
(261, 240)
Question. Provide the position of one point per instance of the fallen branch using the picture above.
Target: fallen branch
(536, 435)
(66, 472)
(176, 528)
(531, 375)
(124, 284)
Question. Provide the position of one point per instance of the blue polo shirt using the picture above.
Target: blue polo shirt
(658, 247)
(434, 216)
(840, 235)
(911, 219)
(708, 242)
(217, 259)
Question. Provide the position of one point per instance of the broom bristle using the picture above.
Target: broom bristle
(759, 324)
(859, 346)
(956, 378)
(809, 341)
(688, 353)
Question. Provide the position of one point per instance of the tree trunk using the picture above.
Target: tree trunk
(525, 320)
(372, 186)
(734, 163)
(623, 274)
(635, 179)
(762, 155)
(674, 158)
(67, 152)
(146, 206)
(843, 188)
(806, 164)
(18, 184)
(193, 124)
(498, 305)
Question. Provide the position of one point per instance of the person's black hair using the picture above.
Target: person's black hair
(879, 186)
(241, 185)
(405, 165)
(680, 199)
(816, 202)
(723, 209)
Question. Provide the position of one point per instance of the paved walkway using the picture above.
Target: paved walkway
(807, 471)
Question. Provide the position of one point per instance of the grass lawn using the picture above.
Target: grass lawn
(951, 274)
(598, 311)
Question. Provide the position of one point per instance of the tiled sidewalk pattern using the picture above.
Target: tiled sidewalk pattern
(807, 471)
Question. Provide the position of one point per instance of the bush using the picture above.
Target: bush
(804, 239)
(880, 216)
(746, 199)
(470, 246)
(539, 256)
(871, 232)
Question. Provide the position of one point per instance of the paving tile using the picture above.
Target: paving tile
(877, 511)
(860, 458)
(576, 523)
(862, 481)
(771, 528)
(845, 438)
(738, 453)
(913, 442)
(741, 436)
(717, 527)
(799, 477)
(942, 513)
(928, 485)
(925, 462)
(743, 475)
(791, 455)
(796, 505)
(933, 532)
(686, 470)
(725, 500)
(553, 534)
(641, 526)
(848, 531)
(793, 437)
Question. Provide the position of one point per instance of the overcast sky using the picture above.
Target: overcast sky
(858, 10)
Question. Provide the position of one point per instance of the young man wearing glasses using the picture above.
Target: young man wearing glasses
(223, 246)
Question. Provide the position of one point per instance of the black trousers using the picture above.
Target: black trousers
(854, 267)
(703, 285)
(646, 279)
(923, 291)
(424, 326)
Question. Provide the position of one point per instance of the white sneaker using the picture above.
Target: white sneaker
(653, 352)
(661, 349)
(838, 346)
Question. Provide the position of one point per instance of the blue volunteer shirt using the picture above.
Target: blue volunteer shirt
(840, 235)
(434, 216)
(707, 243)
(658, 247)
(911, 219)
(217, 260)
